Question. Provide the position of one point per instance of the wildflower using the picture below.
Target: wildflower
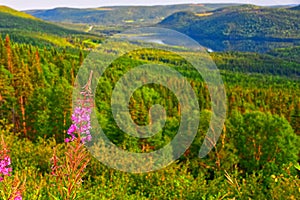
(4, 161)
(68, 171)
(81, 125)
(4, 169)
(18, 196)
(70, 132)
(81, 117)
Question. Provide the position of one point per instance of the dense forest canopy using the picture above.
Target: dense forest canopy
(256, 157)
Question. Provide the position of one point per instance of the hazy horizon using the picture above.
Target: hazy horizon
(36, 4)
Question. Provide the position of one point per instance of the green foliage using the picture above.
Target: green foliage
(67, 172)
(36, 88)
(263, 141)
(175, 181)
(255, 158)
(281, 63)
(289, 54)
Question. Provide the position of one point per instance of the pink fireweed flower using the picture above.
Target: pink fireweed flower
(4, 169)
(70, 132)
(81, 124)
(81, 117)
(18, 196)
(72, 129)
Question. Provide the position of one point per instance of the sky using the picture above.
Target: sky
(48, 4)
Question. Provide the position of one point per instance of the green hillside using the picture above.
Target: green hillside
(295, 8)
(23, 27)
(118, 15)
(291, 54)
(254, 25)
(66, 113)
(5, 9)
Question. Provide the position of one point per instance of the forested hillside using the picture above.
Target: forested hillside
(23, 27)
(295, 8)
(36, 86)
(44, 136)
(246, 27)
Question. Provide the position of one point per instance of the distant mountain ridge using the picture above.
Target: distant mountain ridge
(239, 22)
(256, 24)
(117, 15)
(220, 27)
(295, 8)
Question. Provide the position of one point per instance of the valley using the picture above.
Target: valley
(62, 82)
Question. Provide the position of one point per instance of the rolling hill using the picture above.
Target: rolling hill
(258, 28)
(23, 27)
(291, 54)
(119, 15)
(5, 9)
(295, 8)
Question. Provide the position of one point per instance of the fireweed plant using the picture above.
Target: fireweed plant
(4, 162)
(11, 189)
(69, 171)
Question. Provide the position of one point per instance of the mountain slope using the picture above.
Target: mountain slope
(295, 8)
(23, 27)
(291, 54)
(247, 22)
(117, 15)
(14, 20)
(5, 9)
(239, 22)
